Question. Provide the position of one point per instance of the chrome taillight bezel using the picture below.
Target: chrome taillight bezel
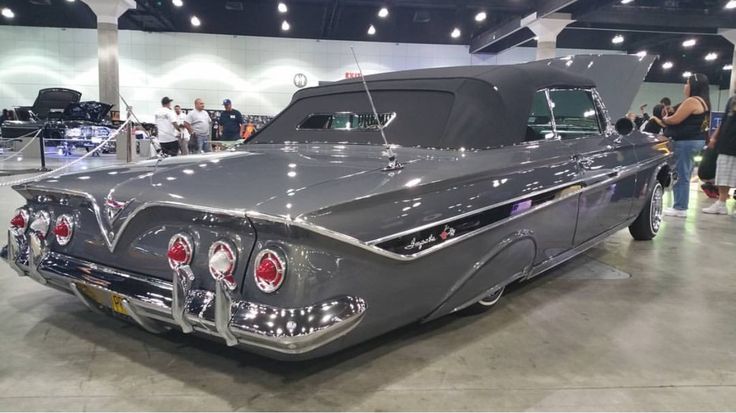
(69, 221)
(278, 260)
(226, 276)
(40, 224)
(188, 244)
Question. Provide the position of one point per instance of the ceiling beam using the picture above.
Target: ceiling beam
(661, 18)
(494, 34)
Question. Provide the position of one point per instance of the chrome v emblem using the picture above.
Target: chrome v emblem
(113, 208)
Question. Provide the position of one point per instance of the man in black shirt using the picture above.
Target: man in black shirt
(724, 142)
(231, 122)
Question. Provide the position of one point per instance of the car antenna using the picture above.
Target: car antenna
(393, 165)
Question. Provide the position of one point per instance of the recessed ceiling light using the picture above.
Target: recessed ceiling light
(626, 1)
(177, 3)
(285, 26)
(687, 74)
(282, 7)
(642, 53)
(372, 30)
(481, 16)
(70, 1)
(195, 21)
(455, 33)
(383, 13)
(689, 43)
(617, 39)
(728, 67)
(711, 56)
(731, 4)
(8, 13)
(667, 65)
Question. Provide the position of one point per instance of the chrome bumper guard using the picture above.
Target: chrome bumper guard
(157, 305)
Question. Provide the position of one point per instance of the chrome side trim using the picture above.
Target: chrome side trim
(370, 245)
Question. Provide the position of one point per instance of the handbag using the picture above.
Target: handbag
(707, 167)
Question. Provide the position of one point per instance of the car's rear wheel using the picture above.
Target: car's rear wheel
(485, 303)
(649, 221)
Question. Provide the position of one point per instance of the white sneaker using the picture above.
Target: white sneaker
(672, 212)
(718, 208)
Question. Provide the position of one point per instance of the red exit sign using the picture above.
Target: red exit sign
(352, 75)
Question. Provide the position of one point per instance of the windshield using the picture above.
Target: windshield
(409, 117)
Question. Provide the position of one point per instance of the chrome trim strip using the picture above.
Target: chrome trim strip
(224, 311)
(370, 245)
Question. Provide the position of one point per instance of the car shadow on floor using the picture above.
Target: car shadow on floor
(420, 343)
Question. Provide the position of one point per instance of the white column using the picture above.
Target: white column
(730, 35)
(108, 12)
(547, 30)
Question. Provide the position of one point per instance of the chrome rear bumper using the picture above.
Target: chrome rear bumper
(158, 305)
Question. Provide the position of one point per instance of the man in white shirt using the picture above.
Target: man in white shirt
(199, 124)
(166, 123)
(183, 133)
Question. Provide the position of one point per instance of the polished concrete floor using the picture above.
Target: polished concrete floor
(629, 326)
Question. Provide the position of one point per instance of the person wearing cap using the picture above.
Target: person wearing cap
(168, 125)
(231, 123)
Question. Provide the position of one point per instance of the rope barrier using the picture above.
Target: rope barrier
(19, 152)
(69, 164)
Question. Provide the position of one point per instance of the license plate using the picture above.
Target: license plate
(106, 299)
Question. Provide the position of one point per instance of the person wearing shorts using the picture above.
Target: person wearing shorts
(724, 142)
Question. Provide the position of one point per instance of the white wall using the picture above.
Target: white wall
(651, 93)
(255, 72)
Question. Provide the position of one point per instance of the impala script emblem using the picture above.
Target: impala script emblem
(447, 232)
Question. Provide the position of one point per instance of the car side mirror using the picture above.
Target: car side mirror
(624, 126)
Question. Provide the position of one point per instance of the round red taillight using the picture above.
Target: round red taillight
(269, 270)
(63, 229)
(180, 251)
(19, 222)
(222, 263)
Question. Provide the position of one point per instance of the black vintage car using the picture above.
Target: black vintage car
(64, 120)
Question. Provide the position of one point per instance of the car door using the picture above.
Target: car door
(606, 197)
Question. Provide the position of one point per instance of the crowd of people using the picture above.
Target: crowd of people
(688, 125)
(182, 133)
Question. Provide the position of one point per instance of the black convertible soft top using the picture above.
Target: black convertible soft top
(468, 106)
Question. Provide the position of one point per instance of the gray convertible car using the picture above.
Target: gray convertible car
(309, 239)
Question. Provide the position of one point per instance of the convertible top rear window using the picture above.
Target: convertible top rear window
(411, 117)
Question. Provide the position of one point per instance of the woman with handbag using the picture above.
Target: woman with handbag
(687, 128)
(724, 143)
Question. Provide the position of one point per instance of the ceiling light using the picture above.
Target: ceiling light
(642, 53)
(371, 30)
(617, 39)
(70, 1)
(687, 74)
(282, 8)
(667, 65)
(728, 67)
(626, 1)
(711, 56)
(689, 43)
(195, 21)
(731, 4)
(481, 16)
(455, 33)
(8, 13)
(285, 26)
(177, 3)
(383, 13)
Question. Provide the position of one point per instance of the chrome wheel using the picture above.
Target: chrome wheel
(656, 208)
(492, 298)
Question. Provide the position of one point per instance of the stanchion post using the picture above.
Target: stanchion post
(43, 149)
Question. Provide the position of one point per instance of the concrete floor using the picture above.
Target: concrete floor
(662, 339)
